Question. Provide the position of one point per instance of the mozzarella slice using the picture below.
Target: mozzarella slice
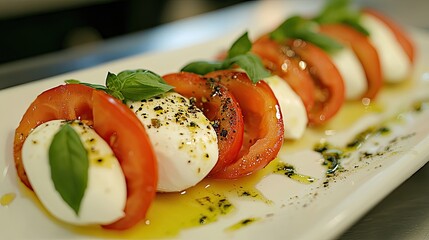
(185, 142)
(352, 72)
(106, 193)
(395, 63)
(293, 110)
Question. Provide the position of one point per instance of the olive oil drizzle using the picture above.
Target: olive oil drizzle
(289, 171)
(242, 223)
(7, 199)
(333, 155)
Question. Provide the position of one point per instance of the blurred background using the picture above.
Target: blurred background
(33, 27)
(42, 38)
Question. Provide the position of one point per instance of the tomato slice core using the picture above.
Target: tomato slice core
(263, 123)
(309, 71)
(284, 63)
(330, 91)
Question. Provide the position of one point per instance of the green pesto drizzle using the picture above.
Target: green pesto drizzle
(333, 155)
(289, 171)
(420, 106)
(243, 223)
(214, 206)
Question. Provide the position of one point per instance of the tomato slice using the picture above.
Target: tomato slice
(364, 50)
(330, 92)
(220, 107)
(115, 123)
(403, 39)
(263, 123)
(285, 64)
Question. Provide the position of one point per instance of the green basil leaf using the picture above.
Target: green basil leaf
(341, 11)
(356, 25)
(139, 84)
(335, 5)
(69, 164)
(113, 83)
(251, 64)
(297, 27)
(241, 46)
(202, 67)
(239, 54)
(324, 42)
(291, 27)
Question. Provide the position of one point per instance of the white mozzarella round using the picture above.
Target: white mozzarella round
(185, 142)
(395, 63)
(293, 110)
(106, 193)
(352, 72)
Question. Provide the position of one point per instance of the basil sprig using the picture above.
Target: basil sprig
(340, 11)
(239, 54)
(69, 164)
(134, 85)
(297, 27)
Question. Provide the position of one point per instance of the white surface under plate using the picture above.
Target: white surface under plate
(318, 210)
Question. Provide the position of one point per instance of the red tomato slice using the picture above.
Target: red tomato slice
(279, 61)
(116, 124)
(220, 107)
(363, 49)
(401, 36)
(330, 92)
(263, 123)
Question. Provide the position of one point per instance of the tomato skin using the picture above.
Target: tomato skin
(127, 137)
(330, 94)
(116, 124)
(364, 50)
(219, 106)
(403, 39)
(319, 84)
(276, 59)
(263, 123)
(49, 106)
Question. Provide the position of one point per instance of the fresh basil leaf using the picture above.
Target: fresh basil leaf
(138, 84)
(116, 94)
(95, 86)
(202, 67)
(297, 27)
(239, 54)
(69, 164)
(291, 27)
(113, 83)
(335, 5)
(356, 25)
(251, 64)
(241, 46)
(324, 42)
(341, 11)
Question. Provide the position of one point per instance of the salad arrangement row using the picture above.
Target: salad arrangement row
(97, 154)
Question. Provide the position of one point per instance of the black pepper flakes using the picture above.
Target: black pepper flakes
(156, 123)
(158, 108)
(193, 124)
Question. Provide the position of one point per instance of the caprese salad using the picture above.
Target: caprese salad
(97, 154)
